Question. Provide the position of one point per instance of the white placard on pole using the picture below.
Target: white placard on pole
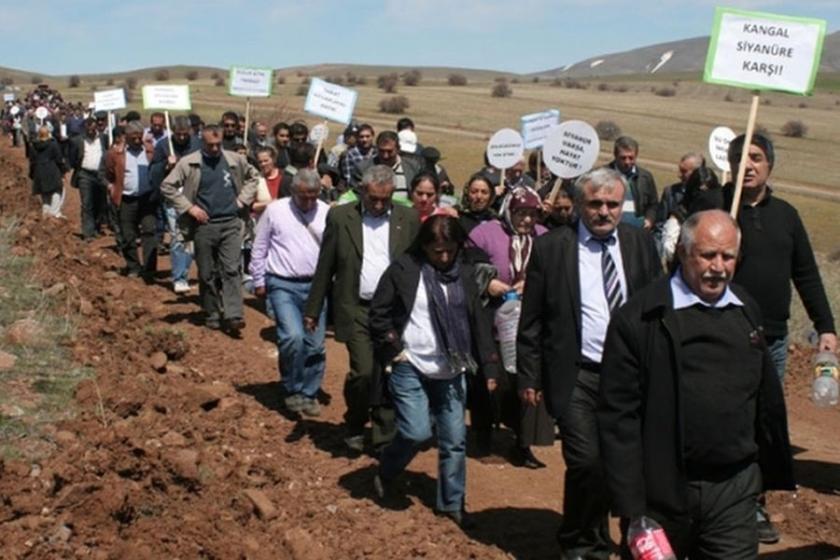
(719, 141)
(8, 97)
(14, 110)
(572, 149)
(537, 126)
(41, 113)
(109, 100)
(319, 133)
(250, 82)
(760, 51)
(168, 98)
(330, 101)
(505, 148)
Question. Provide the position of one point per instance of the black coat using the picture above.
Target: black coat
(76, 153)
(644, 192)
(548, 344)
(46, 167)
(640, 419)
(394, 299)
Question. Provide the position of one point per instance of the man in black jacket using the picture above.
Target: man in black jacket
(640, 201)
(692, 415)
(576, 277)
(86, 154)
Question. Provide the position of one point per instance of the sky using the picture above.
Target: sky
(99, 36)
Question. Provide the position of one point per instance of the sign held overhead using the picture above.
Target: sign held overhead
(250, 82)
(168, 98)
(330, 101)
(536, 127)
(719, 141)
(109, 100)
(505, 148)
(572, 149)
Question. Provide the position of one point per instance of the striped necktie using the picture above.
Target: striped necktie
(612, 284)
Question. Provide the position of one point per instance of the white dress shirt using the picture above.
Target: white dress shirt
(376, 254)
(92, 153)
(419, 340)
(594, 309)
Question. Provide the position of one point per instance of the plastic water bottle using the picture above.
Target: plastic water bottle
(648, 541)
(507, 322)
(825, 390)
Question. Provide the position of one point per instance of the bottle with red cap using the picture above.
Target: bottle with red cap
(648, 541)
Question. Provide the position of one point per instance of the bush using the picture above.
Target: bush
(192, 75)
(501, 89)
(763, 130)
(457, 80)
(765, 101)
(162, 75)
(109, 82)
(129, 95)
(803, 105)
(361, 81)
(130, 83)
(412, 77)
(214, 76)
(621, 88)
(281, 80)
(666, 92)
(220, 82)
(794, 129)
(336, 80)
(728, 98)
(35, 79)
(515, 81)
(351, 78)
(535, 80)
(387, 83)
(306, 80)
(569, 83)
(302, 90)
(395, 105)
(603, 87)
(74, 81)
(7, 81)
(607, 130)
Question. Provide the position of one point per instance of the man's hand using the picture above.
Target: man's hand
(828, 343)
(171, 161)
(259, 291)
(531, 396)
(497, 288)
(648, 224)
(199, 214)
(519, 287)
(310, 323)
(491, 385)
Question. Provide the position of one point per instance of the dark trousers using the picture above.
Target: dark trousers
(218, 246)
(584, 531)
(358, 387)
(137, 219)
(94, 204)
(721, 522)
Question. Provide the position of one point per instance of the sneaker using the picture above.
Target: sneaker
(767, 532)
(294, 403)
(310, 407)
(181, 287)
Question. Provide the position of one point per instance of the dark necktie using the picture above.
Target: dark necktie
(612, 284)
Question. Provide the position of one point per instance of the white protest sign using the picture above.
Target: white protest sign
(168, 98)
(719, 141)
(505, 148)
(571, 149)
(537, 126)
(250, 82)
(8, 97)
(330, 101)
(762, 51)
(319, 133)
(14, 110)
(41, 113)
(109, 100)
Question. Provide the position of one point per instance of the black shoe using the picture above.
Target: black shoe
(212, 323)
(767, 532)
(233, 326)
(381, 488)
(524, 457)
(460, 517)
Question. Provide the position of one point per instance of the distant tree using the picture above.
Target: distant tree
(603, 87)
(501, 89)
(395, 105)
(412, 77)
(728, 98)
(302, 90)
(129, 93)
(666, 92)
(535, 80)
(281, 80)
(361, 81)
(457, 80)
(514, 81)
(130, 83)
(803, 105)
(215, 76)
(192, 75)
(621, 88)
(387, 83)
(219, 82)
(36, 79)
(794, 129)
(557, 82)
(763, 130)
(306, 80)
(109, 82)
(162, 75)
(7, 81)
(607, 130)
(336, 79)
(74, 81)
(351, 78)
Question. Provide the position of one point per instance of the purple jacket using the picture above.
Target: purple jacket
(493, 239)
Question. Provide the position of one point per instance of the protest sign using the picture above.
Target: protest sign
(318, 135)
(8, 97)
(168, 98)
(762, 51)
(719, 141)
(41, 113)
(330, 101)
(109, 100)
(250, 82)
(537, 126)
(505, 148)
(14, 110)
(571, 149)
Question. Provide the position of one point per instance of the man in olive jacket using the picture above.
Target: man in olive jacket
(360, 241)
(210, 189)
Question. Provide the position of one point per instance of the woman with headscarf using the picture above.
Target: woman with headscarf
(508, 242)
(477, 202)
(46, 169)
(430, 332)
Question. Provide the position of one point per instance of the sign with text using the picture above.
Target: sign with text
(8, 97)
(505, 148)
(250, 82)
(571, 149)
(537, 126)
(109, 100)
(762, 51)
(41, 113)
(719, 141)
(167, 98)
(319, 133)
(330, 101)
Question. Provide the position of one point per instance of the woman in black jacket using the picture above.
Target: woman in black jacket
(47, 169)
(429, 332)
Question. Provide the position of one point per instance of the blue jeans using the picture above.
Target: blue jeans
(778, 347)
(178, 254)
(302, 357)
(416, 398)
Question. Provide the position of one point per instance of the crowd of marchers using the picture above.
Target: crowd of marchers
(650, 330)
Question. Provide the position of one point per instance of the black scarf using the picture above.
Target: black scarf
(450, 317)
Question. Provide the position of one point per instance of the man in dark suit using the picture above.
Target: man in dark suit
(576, 278)
(640, 201)
(86, 154)
(360, 241)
